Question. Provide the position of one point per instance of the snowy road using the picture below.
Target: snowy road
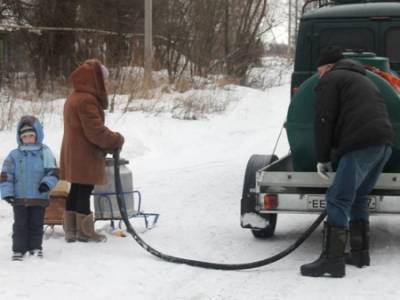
(191, 172)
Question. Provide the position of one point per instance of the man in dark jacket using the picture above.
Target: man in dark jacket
(352, 127)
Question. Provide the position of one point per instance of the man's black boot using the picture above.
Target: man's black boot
(359, 243)
(331, 261)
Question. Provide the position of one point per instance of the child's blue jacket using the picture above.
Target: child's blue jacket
(26, 167)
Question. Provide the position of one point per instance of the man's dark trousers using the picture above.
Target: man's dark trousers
(356, 175)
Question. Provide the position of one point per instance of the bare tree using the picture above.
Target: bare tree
(200, 36)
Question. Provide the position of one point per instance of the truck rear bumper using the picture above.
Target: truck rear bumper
(304, 192)
(315, 203)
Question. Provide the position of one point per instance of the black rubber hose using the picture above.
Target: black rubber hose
(197, 263)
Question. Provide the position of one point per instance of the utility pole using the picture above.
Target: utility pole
(227, 36)
(148, 43)
(296, 22)
(290, 30)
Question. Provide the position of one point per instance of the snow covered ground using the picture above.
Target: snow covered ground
(191, 172)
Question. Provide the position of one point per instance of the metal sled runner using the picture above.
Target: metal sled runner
(105, 209)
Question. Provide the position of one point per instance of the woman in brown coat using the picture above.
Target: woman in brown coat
(85, 142)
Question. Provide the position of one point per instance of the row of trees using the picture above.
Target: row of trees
(190, 36)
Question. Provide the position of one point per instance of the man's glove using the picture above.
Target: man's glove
(10, 200)
(43, 188)
(323, 168)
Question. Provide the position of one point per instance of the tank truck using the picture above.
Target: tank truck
(368, 31)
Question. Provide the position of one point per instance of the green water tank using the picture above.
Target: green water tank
(300, 119)
(369, 58)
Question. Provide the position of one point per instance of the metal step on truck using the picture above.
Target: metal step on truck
(368, 31)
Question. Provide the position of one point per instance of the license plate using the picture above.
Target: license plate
(317, 202)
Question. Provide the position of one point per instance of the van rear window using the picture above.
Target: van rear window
(356, 39)
(392, 45)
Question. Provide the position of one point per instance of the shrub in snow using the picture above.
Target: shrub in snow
(197, 104)
(191, 105)
(275, 71)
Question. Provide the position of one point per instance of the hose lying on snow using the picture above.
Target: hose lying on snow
(196, 263)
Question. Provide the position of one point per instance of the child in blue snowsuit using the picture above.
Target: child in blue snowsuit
(28, 174)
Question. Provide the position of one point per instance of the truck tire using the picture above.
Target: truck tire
(268, 231)
(248, 202)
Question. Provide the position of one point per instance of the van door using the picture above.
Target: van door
(354, 35)
(390, 33)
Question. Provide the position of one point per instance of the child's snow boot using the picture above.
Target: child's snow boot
(36, 252)
(17, 256)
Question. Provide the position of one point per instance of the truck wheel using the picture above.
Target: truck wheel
(248, 202)
(268, 231)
